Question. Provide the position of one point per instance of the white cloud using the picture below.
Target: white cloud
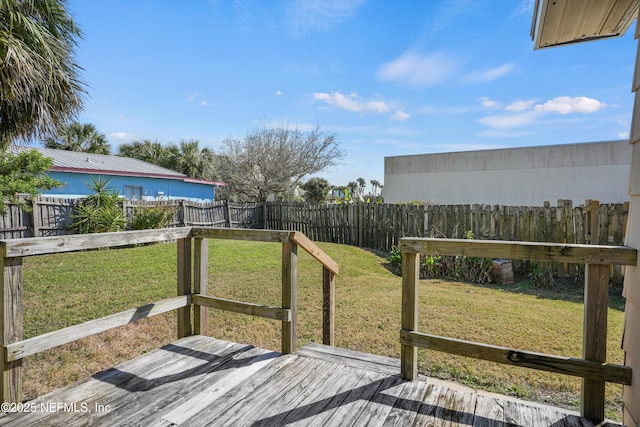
(321, 14)
(523, 113)
(120, 135)
(204, 103)
(278, 92)
(567, 104)
(623, 135)
(506, 121)
(400, 116)
(489, 75)
(352, 102)
(419, 70)
(519, 105)
(488, 103)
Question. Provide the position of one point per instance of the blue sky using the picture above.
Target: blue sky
(386, 77)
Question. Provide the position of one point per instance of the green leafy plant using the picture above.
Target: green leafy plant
(395, 256)
(541, 277)
(145, 218)
(23, 173)
(101, 211)
(467, 269)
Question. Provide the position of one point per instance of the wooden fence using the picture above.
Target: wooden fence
(52, 216)
(375, 226)
(381, 226)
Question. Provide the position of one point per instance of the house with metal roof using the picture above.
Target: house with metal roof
(132, 178)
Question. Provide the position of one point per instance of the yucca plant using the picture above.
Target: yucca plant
(100, 212)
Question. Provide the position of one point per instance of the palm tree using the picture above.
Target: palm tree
(187, 158)
(375, 184)
(40, 86)
(79, 137)
(361, 184)
(145, 150)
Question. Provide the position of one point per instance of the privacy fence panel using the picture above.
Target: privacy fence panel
(375, 226)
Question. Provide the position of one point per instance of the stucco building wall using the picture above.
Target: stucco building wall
(513, 176)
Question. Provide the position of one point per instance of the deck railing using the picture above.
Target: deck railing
(592, 367)
(192, 249)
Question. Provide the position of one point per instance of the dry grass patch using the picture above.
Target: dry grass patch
(66, 289)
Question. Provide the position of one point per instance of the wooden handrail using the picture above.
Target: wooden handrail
(312, 249)
(592, 367)
(534, 251)
(15, 248)
(21, 349)
(598, 371)
(191, 281)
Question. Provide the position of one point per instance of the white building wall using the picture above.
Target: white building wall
(513, 176)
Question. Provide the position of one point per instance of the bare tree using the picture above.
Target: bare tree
(273, 160)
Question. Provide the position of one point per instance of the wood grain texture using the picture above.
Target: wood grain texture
(410, 303)
(11, 321)
(240, 234)
(289, 294)
(308, 245)
(328, 307)
(545, 362)
(203, 381)
(21, 349)
(275, 313)
(183, 282)
(552, 252)
(200, 284)
(594, 340)
(80, 242)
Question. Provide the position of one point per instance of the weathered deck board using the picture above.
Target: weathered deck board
(203, 381)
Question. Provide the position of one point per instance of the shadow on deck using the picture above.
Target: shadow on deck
(205, 381)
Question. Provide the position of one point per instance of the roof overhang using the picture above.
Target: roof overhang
(560, 22)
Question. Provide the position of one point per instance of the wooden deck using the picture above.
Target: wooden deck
(204, 381)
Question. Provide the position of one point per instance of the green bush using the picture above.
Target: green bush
(100, 212)
(395, 257)
(466, 269)
(157, 217)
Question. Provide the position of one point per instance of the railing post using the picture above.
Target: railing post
(200, 284)
(410, 282)
(289, 291)
(12, 327)
(594, 343)
(184, 285)
(328, 307)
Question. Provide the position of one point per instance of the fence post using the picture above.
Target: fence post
(594, 343)
(265, 217)
(182, 222)
(12, 326)
(328, 307)
(35, 216)
(200, 284)
(184, 285)
(289, 293)
(410, 282)
(228, 212)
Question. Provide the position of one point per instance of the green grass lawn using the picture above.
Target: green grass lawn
(65, 289)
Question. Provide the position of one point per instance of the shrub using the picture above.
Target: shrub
(100, 212)
(156, 217)
(467, 269)
(395, 257)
